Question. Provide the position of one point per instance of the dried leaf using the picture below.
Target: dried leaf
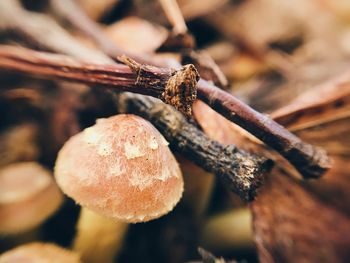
(136, 35)
(292, 225)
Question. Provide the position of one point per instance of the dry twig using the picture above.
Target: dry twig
(173, 12)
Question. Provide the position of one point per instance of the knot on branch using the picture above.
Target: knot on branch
(180, 90)
(175, 87)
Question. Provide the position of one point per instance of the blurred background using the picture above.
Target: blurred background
(289, 59)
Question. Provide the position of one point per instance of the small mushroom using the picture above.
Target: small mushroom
(28, 196)
(39, 252)
(19, 144)
(120, 168)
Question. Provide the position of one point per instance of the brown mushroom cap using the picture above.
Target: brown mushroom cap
(28, 196)
(39, 253)
(121, 168)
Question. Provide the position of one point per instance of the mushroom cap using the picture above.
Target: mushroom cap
(28, 196)
(39, 253)
(120, 168)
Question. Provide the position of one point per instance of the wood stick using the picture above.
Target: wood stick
(174, 15)
(309, 160)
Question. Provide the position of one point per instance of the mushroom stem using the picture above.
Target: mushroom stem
(199, 186)
(229, 230)
(98, 238)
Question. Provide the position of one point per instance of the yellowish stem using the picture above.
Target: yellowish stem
(199, 185)
(98, 239)
(230, 230)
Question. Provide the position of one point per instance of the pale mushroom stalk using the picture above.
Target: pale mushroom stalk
(122, 170)
(98, 239)
(199, 186)
(229, 230)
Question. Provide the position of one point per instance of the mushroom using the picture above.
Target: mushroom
(39, 252)
(28, 196)
(120, 168)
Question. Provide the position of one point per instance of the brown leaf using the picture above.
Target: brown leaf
(323, 103)
(136, 35)
(325, 120)
(292, 225)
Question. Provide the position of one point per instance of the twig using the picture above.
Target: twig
(174, 15)
(206, 66)
(179, 39)
(310, 161)
(175, 87)
(190, 140)
(242, 172)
